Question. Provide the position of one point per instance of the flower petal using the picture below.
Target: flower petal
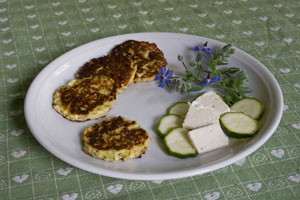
(203, 83)
(158, 77)
(207, 50)
(215, 79)
(168, 81)
(196, 48)
(161, 84)
(163, 70)
(169, 73)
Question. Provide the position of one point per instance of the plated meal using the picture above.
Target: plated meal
(190, 128)
(138, 122)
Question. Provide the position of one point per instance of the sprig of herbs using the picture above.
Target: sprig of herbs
(204, 70)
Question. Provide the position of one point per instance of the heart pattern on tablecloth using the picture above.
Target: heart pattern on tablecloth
(12, 80)
(72, 196)
(296, 126)
(295, 178)
(65, 171)
(212, 196)
(159, 181)
(20, 179)
(240, 162)
(254, 186)
(115, 189)
(278, 153)
(285, 70)
(17, 132)
(6, 41)
(18, 154)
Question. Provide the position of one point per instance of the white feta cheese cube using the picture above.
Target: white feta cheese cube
(208, 138)
(205, 110)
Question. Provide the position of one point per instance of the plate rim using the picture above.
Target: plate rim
(191, 171)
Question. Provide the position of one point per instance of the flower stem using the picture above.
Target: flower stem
(186, 68)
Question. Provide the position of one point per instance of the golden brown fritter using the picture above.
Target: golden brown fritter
(120, 69)
(146, 56)
(84, 99)
(114, 139)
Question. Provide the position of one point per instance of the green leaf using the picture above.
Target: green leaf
(233, 70)
(232, 51)
(216, 73)
(188, 77)
(192, 63)
(241, 80)
(222, 63)
(197, 88)
(229, 100)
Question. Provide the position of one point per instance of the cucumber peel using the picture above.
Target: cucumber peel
(250, 106)
(179, 108)
(238, 125)
(168, 122)
(178, 143)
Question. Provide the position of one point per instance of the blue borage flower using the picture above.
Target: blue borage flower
(204, 48)
(164, 76)
(209, 80)
(196, 48)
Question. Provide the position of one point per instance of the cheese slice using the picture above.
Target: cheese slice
(208, 138)
(205, 110)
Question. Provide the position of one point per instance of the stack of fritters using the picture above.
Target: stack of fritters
(115, 139)
(127, 62)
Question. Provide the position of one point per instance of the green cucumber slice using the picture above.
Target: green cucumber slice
(179, 108)
(178, 143)
(250, 106)
(238, 124)
(168, 122)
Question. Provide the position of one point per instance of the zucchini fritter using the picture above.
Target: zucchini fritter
(84, 99)
(115, 139)
(120, 69)
(146, 56)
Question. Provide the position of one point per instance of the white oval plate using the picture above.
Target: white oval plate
(145, 103)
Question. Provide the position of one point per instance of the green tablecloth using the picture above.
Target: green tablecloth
(33, 33)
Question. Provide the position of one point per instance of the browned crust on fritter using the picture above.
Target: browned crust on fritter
(120, 69)
(84, 96)
(146, 56)
(116, 133)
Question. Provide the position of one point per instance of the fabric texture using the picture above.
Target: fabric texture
(33, 33)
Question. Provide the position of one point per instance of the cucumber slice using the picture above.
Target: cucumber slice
(169, 122)
(179, 108)
(178, 143)
(250, 106)
(238, 125)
